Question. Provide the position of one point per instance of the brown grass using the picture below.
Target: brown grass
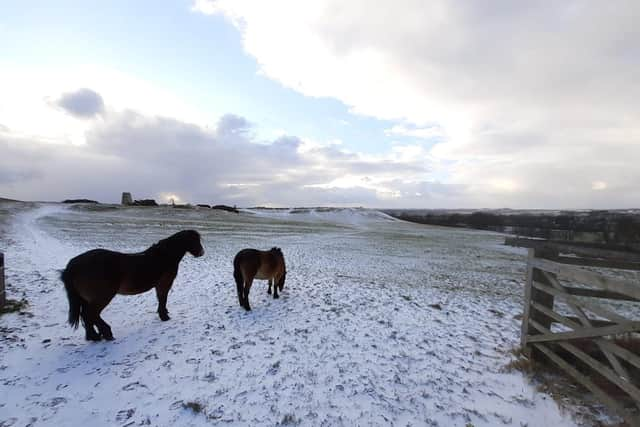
(12, 306)
(520, 363)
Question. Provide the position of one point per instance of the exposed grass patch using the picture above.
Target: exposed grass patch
(520, 363)
(201, 409)
(498, 313)
(289, 420)
(195, 406)
(13, 306)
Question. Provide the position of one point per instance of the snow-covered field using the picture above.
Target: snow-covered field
(380, 322)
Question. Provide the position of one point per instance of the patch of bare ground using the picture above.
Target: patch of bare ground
(14, 306)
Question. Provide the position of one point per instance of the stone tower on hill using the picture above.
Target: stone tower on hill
(127, 199)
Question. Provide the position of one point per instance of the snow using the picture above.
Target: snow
(381, 322)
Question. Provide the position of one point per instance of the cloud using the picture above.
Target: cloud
(83, 103)
(29, 94)
(230, 124)
(154, 156)
(415, 131)
(598, 185)
(528, 103)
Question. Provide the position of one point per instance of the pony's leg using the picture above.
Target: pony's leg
(275, 290)
(240, 288)
(269, 290)
(162, 294)
(87, 322)
(247, 289)
(103, 327)
(162, 291)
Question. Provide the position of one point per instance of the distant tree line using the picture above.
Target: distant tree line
(596, 226)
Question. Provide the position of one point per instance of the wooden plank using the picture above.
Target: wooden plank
(612, 347)
(613, 284)
(620, 381)
(589, 385)
(622, 353)
(556, 316)
(527, 301)
(575, 248)
(596, 262)
(543, 298)
(581, 333)
(574, 323)
(596, 309)
(594, 322)
(586, 322)
(540, 297)
(597, 293)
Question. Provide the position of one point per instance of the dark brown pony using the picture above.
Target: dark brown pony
(252, 264)
(93, 278)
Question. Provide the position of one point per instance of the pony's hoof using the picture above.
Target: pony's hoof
(276, 296)
(108, 336)
(164, 317)
(247, 307)
(269, 291)
(95, 337)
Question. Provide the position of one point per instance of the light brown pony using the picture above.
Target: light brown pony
(93, 278)
(250, 264)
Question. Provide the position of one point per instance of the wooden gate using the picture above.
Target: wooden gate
(563, 322)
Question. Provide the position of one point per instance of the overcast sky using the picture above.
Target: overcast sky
(404, 103)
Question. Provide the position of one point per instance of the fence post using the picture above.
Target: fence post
(532, 294)
(528, 286)
(3, 297)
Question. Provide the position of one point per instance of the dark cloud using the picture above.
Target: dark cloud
(230, 124)
(83, 103)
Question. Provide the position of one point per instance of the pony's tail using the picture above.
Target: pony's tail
(75, 301)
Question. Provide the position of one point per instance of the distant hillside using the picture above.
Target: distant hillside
(68, 201)
(2, 199)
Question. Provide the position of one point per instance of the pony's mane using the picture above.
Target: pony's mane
(162, 244)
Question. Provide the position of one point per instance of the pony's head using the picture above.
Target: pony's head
(189, 240)
(280, 256)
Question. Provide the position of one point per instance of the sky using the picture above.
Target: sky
(397, 104)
